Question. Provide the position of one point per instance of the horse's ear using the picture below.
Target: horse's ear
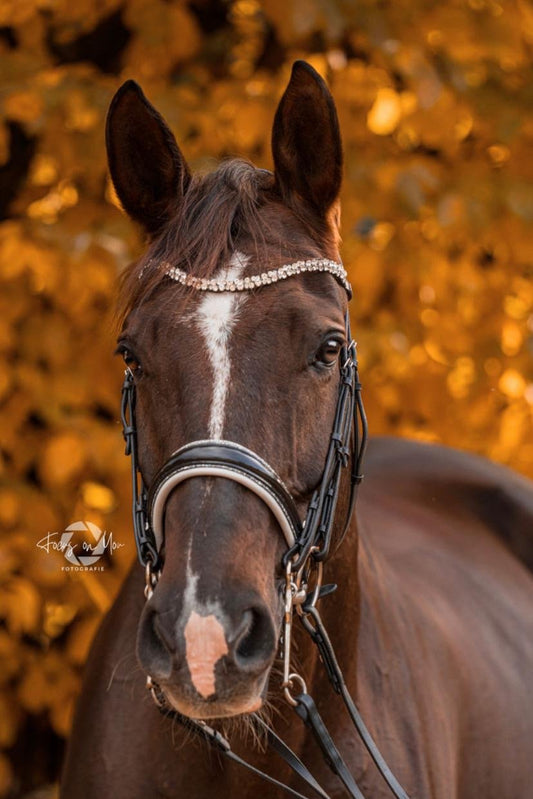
(306, 142)
(147, 168)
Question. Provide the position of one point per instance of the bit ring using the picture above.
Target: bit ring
(292, 678)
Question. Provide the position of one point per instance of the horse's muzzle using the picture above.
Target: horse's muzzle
(211, 660)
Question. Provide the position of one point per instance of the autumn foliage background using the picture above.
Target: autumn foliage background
(436, 109)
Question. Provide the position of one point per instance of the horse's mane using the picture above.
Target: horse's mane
(217, 209)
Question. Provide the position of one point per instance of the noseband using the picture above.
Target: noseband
(308, 542)
(227, 459)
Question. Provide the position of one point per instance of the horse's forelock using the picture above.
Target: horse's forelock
(217, 208)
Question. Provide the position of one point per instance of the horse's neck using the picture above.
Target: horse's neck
(363, 617)
(388, 674)
(340, 611)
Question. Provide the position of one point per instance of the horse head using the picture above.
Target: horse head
(233, 330)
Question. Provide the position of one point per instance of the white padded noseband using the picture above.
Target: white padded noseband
(231, 471)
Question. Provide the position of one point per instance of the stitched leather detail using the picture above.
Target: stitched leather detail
(234, 462)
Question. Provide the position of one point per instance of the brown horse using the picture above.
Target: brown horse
(432, 620)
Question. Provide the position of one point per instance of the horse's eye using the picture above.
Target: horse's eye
(328, 353)
(131, 361)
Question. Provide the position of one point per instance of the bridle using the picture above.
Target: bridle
(231, 460)
(308, 544)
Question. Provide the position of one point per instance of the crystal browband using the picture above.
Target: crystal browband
(263, 279)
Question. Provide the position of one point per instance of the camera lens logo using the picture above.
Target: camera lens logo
(82, 544)
(94, 545)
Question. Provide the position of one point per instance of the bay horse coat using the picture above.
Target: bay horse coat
(432, 619)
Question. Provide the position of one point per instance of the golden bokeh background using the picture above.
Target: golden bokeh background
(436, 109)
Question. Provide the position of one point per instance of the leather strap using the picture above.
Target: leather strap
(218, 741)
(319, 634)
(144, 540)
(290, 757)
(308, 712)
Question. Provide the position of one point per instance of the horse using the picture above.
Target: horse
(237, 350)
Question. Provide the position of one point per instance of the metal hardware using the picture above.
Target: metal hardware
(297, 596)
(292, 678)
(351, 348)
(312, 595)
(151, 578)
(156, 693)
(290, 591)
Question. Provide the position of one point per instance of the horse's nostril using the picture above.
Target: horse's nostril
(155, 645)
(244, 637)
(164, 636)
(254, 642)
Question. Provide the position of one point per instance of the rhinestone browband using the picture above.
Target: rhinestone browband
(264, 279)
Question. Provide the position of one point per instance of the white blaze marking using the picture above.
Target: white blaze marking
(205, 644)
(217, 314)
(205, 639)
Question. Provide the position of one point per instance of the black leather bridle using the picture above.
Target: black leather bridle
(228, 459)
(308, 546)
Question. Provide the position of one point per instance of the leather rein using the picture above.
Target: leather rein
(309, 545)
